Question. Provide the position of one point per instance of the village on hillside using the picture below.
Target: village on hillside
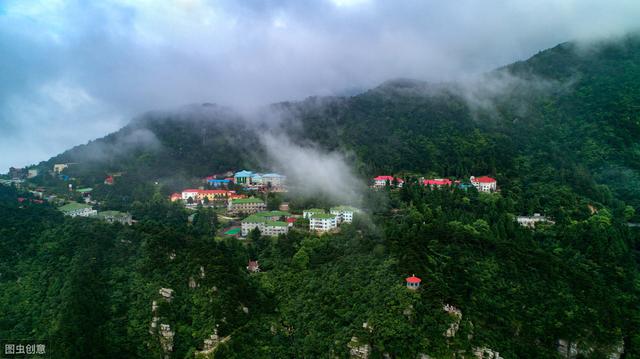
(240, 199)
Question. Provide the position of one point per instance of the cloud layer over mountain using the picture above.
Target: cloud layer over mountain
(72, 70)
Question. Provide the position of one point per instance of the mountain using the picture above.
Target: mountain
(567, 118)
(559, 131)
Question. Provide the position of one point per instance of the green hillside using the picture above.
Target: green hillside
(559, 131)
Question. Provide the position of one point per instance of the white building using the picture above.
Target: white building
(59, 167)
(343, 213)
(308, 213)
(190, 193)
(531, 221)
(381, 181)
(246, 205)
(484, 183)
(74, 209)
(322, 222)
(267, 227)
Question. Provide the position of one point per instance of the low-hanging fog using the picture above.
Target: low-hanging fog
(73, 70)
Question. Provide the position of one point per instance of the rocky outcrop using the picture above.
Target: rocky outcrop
(358, 350)
(457, 317)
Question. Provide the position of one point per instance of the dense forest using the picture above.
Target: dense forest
(559, 132)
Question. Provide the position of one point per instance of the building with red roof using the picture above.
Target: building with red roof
(413, 282)
(175, 197)
(108, 180)
(381, 181)
(484, 183)
(201, 194)
(437, 182)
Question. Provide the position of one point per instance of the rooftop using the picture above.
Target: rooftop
(246, 200)
(273, 214)
(437, 181)
(243, 173)
(315, 210)
(73, 206)
(344, 208)
(84, 190)
(483, 179)
(413, 279)
(323, 216)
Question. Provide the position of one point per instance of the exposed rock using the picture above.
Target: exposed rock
(192, 283)
(166, 338)
(457, 314)
(486, 353)
(356, 350)
(166, 293)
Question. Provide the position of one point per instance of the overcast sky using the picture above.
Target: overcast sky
(71, 71)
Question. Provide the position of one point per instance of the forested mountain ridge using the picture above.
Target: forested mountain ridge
(559, 132)
(567, 117)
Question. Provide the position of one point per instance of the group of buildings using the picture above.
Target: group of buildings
(249, 179)
(321, 221)
(483, 184)
(74, 209)
(270, 223)
(253, 180)
(273, 223)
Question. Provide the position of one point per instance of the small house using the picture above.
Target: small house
(413, 282)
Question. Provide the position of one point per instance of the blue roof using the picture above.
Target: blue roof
(243, 173)
(272, 175)
(256, 176)
(218, 180)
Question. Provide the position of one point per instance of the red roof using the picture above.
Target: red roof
(213, 191)
(290, 219)
(483, 179)
(413, 279)
(109, 179)
(176, 195)
(207, 191)
(437, 182)
(387, 178)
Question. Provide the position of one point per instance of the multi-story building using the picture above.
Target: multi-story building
(484, 183)
(75, 209)
(322, 222)
(308, 213)
(381, 181)
(343, 213)
(190, 193)
(246, 205)
(266, 226)
(243, 177)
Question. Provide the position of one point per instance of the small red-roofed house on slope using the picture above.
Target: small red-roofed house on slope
(413, 282)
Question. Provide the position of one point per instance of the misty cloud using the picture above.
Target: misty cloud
(74, 70)
(311, 171)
